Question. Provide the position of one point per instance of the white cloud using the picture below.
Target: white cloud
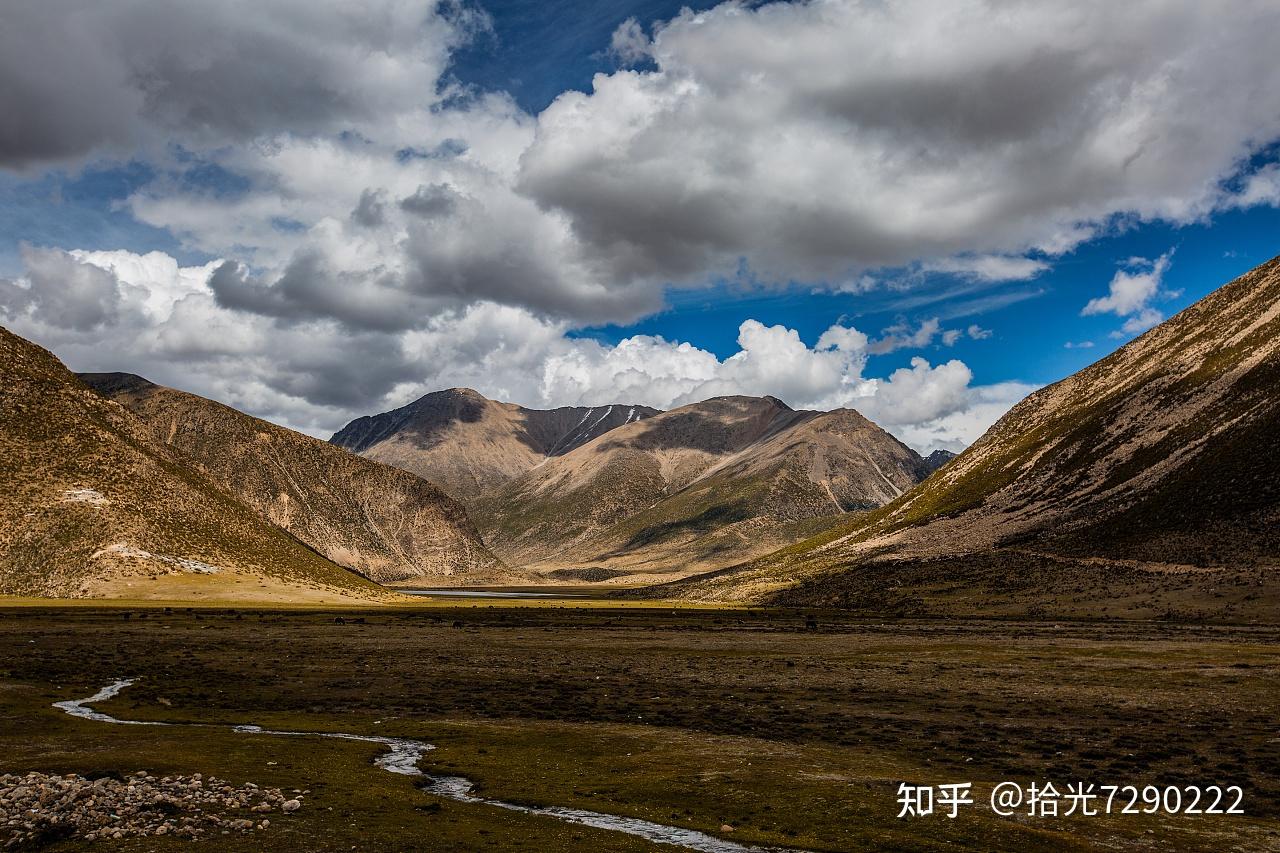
(385, 237)
(1131, 292)
(154, 274)
(1131, 289)
(950, 141)
(989, 268)
(629, 44)
(395, 234)
(316, 374)
(902, 337)
(983, 406)
(1145, 319)
(1078, 345)
(1261, 187)
(961, 136)
(920, 393)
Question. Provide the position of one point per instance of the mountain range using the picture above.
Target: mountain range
(1146, 485)
(696, 487)
(469, 445)
(576, 493)
(630, 492)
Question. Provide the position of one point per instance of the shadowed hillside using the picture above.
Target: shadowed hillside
(93, 506)
(386, 524)
(1146, 484)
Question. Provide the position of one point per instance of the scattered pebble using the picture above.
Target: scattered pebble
(38, 808)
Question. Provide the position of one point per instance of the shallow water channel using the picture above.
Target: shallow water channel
(402, 757)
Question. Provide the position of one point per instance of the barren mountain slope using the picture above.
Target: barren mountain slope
(1146, 484)
(386, 524)
(468, 445)
(92, 507)
(700, 486)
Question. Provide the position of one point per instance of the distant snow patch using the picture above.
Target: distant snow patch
(85, 496)
(188, 565)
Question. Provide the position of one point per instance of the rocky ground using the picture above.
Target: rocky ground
(37, 808)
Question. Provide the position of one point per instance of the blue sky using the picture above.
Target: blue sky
(539, 49)
(81, 210)
(1030, 335)
(536, 50)
(570, 226)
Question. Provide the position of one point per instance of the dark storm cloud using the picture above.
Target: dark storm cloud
(82, 75)
(371, 212)
(354, 376)
(61, 292)
(308, 290)
(434, 200)
(814, 140)
(233, 288)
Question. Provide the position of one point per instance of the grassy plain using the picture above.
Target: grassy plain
(795, 736)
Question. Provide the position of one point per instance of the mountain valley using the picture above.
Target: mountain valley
(1141, 486)
(1145, 485)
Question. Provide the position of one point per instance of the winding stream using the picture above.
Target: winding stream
(402, 757)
